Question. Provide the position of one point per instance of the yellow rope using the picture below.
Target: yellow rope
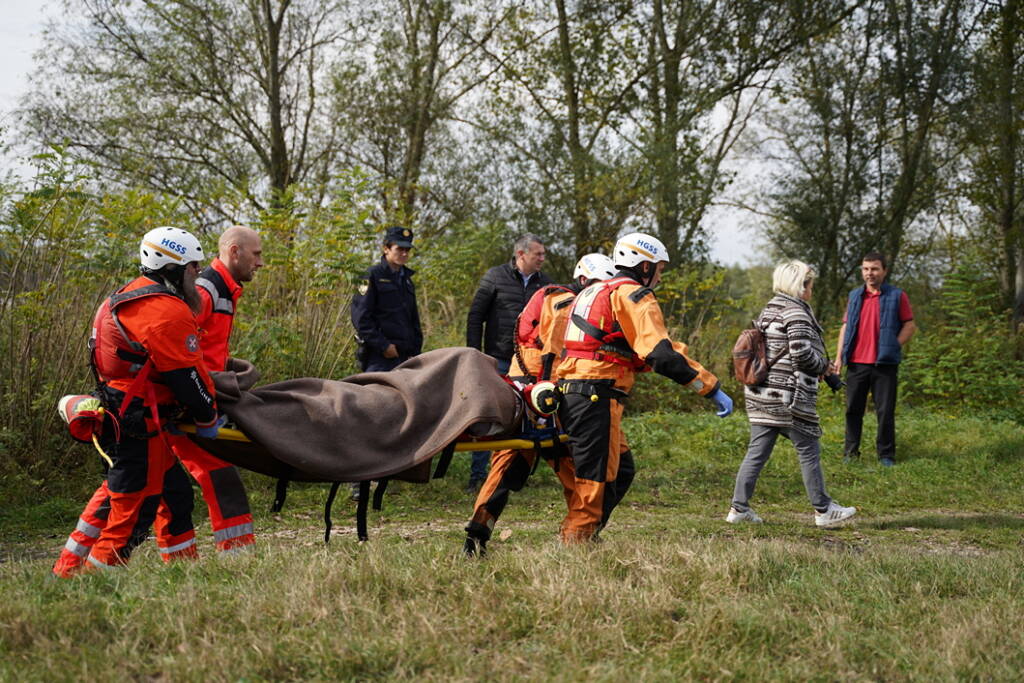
(96, 443)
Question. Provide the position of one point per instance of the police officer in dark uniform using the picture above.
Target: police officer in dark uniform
(384, 311)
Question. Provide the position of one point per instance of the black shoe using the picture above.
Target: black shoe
(474, 485)
(850, 457)
(474, 547)
(354, 491)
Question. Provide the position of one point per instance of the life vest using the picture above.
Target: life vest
(593, 332)
(115, 356)
(528, 323)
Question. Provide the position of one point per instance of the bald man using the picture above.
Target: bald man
(240, 255)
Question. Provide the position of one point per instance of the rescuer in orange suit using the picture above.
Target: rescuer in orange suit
(240, 255)
(539, 335)
(615, 330)
(149, 368)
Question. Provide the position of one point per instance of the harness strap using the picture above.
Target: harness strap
(591, 389)
(613, 340)
(537, 451)
(280, 493)
(444, 461)
(378, 493)
(597, 355)
(327, 511)
(143, 387)
(364, 500)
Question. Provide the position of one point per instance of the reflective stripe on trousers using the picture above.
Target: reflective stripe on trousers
(171, 550)
(231, 532)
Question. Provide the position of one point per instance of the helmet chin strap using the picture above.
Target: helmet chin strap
(171, 276)
(646, 280)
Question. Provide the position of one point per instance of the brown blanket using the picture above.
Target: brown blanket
(366, 426)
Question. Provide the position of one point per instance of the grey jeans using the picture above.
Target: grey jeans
(762, 442)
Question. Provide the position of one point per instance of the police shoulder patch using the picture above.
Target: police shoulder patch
(192, 343)
(363, 287)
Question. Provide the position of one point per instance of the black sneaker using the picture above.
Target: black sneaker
(474, 485)
(852, 456)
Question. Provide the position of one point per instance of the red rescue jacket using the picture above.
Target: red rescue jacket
(143, 338)
(219, 294)
(593, 332)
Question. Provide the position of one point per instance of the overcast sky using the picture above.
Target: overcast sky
(21, 26)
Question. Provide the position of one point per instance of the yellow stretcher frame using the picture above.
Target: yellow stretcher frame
(460, 446)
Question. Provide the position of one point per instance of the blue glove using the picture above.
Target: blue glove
(211, 431)
(722, 402)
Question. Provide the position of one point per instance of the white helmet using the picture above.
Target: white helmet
(636, 247)
(166, 245)
(594, 267)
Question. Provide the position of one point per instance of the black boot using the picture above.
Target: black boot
(474, 547)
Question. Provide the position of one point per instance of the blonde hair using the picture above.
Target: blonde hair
(792, 277)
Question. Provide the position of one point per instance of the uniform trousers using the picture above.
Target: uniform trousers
(118, 517)
(509, 472)
(603, 464)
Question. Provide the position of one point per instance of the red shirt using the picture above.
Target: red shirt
(865, 344)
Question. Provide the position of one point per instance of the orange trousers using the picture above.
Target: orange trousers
(603, 464)
(509, 472)
(223, 491)
(120, 513)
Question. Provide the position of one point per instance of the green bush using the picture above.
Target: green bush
(64, 248)
(964, 356)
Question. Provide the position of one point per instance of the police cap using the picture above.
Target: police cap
(398, 236)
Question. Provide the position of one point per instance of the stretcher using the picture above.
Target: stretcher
(540, 439)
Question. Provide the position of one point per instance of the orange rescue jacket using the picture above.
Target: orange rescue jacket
(633, 336)
(540, 332)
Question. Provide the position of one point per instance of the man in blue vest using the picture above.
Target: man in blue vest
(878, 322)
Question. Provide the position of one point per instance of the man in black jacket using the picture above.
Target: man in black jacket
(502, 294)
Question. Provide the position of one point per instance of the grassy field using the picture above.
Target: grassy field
(927, 582)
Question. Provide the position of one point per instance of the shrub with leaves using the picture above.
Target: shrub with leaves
(964, 359)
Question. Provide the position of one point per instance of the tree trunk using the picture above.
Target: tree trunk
(279, 171)
(577, 154)
(1008, 223)
(666, 142)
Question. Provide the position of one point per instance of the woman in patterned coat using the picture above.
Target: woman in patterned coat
(786, 403)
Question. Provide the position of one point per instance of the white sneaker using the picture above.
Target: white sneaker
(735, 516)
(835, 514)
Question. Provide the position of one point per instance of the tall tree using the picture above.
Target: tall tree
(397, 93)
(993, 130)
(856, 139)
(709, 62)
(189, 97)
(568, 75)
